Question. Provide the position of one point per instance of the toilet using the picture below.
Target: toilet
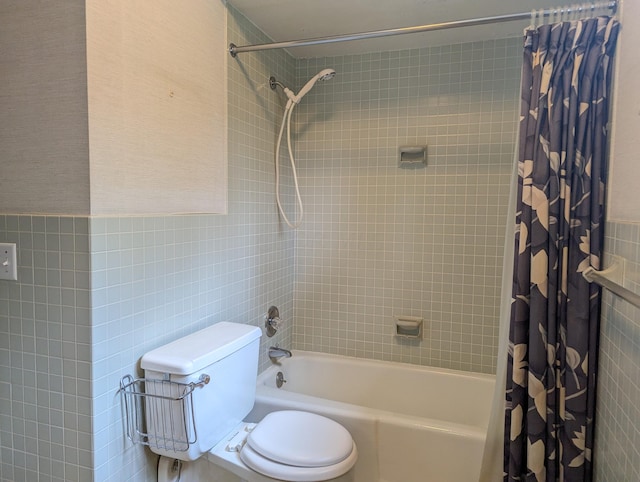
(205, 419)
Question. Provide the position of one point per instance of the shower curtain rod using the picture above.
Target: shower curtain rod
(235, 50)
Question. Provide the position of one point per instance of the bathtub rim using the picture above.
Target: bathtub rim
(404, 365)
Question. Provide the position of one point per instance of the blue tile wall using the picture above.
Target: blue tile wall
(617, 445)
(379, 240)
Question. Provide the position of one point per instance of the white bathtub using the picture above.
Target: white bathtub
(410, 423)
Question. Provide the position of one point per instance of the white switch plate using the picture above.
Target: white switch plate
(8, 261)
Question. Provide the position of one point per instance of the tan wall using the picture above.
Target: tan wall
(624, 195)
(43, 127)
(125, 116)
(157, 106)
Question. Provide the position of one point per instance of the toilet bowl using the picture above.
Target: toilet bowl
(199, 390)
(287, 445)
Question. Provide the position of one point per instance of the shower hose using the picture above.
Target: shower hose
(286, 119)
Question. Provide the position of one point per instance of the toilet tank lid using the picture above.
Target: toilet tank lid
(194, 352)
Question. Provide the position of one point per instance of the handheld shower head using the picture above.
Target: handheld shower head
(294, 99)
(326, 74)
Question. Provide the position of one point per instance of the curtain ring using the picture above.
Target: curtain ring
(533, 25)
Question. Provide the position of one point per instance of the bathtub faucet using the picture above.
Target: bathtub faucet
(276, 352)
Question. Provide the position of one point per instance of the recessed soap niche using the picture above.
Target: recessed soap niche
(412, 157)
(409, 326)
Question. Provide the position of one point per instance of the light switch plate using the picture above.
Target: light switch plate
(8, 261)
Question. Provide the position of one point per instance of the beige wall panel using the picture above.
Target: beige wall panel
(44, 156)
(157, 106)
(624, 196)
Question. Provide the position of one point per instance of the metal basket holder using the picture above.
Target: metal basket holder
(159, 413)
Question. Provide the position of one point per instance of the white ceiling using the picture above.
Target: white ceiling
(285, 20)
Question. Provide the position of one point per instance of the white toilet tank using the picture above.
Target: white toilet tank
(228, 354)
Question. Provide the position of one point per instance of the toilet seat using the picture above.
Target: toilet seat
(298, 446)
(289, 473)
(301, 439)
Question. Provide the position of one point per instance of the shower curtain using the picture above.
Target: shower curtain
(553, 332)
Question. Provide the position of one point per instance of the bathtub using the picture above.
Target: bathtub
(410, 423)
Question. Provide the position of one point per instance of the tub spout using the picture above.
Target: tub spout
(276, 352)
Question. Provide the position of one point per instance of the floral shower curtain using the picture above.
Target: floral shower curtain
(553, 336)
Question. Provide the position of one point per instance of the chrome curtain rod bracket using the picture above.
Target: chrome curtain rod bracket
(234, 50)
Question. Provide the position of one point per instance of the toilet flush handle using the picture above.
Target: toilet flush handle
(202, 381)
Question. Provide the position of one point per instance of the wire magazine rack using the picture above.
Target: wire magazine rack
(159, 413)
